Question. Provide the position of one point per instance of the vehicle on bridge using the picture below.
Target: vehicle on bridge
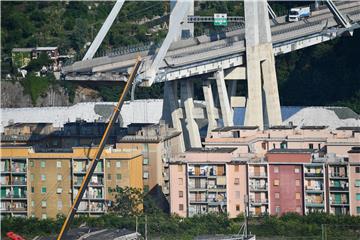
(297, 14)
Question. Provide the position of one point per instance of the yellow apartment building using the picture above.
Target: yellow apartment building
(42, 183)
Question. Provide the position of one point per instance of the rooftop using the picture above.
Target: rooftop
(290, 150)
(353, 128)
(211, 150)
(225, 129)
(313, 127)
(22, 49)
(282, 127)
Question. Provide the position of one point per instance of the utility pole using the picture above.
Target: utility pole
(146, 238)
(246, 202)
(136, 224)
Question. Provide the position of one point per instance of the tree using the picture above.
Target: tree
(128, 201)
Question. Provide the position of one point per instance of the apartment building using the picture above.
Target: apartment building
(157, 143)
(43, 182)
(207, 180)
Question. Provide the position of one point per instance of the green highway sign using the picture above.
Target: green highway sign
(220, 19)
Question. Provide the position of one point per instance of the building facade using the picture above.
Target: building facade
(44, 183)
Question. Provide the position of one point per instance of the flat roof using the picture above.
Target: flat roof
(349, 128)
(46, 48)
(282, 127)
(226, 129)
(291, 150)
(314, 127)
(22, 49)
(212, 150)
(28, 124)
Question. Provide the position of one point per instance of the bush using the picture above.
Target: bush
(36, 86)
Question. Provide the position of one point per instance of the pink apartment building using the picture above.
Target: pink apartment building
(207, 180)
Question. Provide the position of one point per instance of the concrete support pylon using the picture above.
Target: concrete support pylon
(226, 110)
(260, 68)
(191, 127)
(171, 110)
(210, 106)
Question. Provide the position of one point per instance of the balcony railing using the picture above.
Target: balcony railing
(333, 188)
(258, 187)
(338, 175)
(257, 175)
(258, 201)
(314, 175)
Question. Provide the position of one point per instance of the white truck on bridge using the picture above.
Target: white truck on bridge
(296, 14)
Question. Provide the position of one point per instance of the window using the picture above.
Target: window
(43, 177)
(297, 182)
(32, 177)
(237, 207)
(181, 194)
(237, 194)
(283, 145)
(43, 190)
(59, 190)
(277, 209)
(42, 164)
(263, 145)
(358, 196)
(108, 164)
(118, 164)
(43, 203)
(109, 176)
(146, 175)
(357, 183)
(297, 196)
(58, 164)
(43, 216)
(31, 163)
(277, 195)
(109, 190)
(181, 181)
(358, 210)
(59, 177)
(319, 146)
(297, 170)
(311, 146)
(181, 207)
(276, 182)
(180, 168)
(146, 161)
(118, 176)
(236, 181)
(146, 188)
(236, 168)
(59, 205)
(32, 189)
(33, 203)
(357, 169)
(276, 169)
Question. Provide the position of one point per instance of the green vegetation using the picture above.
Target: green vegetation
(36, 86)
(161, 225)
(128, 201)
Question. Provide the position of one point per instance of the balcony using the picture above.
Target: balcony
(257, 202)
(19, 182)
(314, 204)
(339, 189)
(257, 175)
(339, 203)
(262, 187)
(314, 175)
(338, 176)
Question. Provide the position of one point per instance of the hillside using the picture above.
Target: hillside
(326, 74)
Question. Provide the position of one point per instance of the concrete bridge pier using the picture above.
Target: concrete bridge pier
(210, 106)
(191, 133)
(171, 109)
(226, 110)
(263, 105)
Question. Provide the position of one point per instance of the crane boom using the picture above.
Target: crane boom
(95, 160)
